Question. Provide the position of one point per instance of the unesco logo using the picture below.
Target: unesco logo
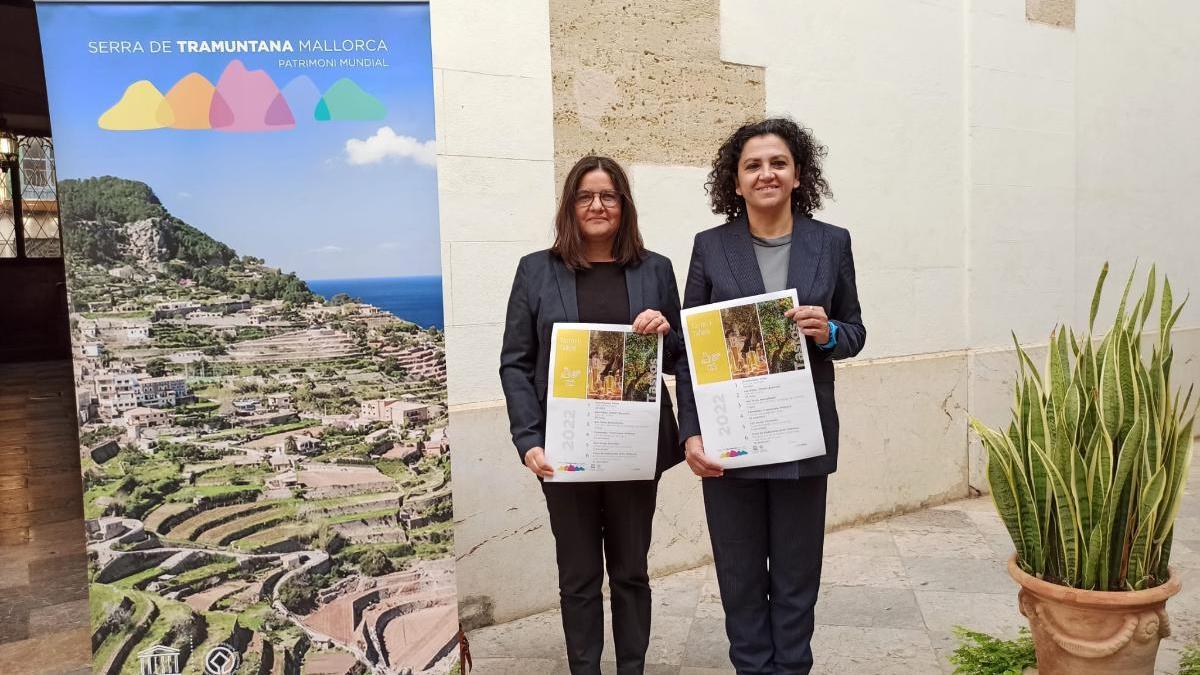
(220, 660)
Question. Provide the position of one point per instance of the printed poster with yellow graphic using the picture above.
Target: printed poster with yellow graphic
(754, 392)
(602, 404)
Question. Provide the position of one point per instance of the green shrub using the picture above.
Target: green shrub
(982, 654)
(1189, 660)
(1089, 474)
(375, 564)
(300, 595)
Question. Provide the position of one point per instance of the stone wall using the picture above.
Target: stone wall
(644, 82)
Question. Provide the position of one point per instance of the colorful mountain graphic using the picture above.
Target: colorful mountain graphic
(728, 454)
(345, 100)
(571, 467)
(190, 100)
(242, 101)
(248, 100)
(302, 96)
(141, 107)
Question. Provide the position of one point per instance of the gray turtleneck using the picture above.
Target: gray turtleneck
(773, 255)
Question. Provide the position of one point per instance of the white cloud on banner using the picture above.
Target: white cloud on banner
(387, 144)
(328, 249)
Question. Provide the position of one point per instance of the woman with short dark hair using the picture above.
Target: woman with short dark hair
(767, 523)
(597, 271)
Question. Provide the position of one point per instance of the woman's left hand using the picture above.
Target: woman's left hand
(651, 322)
(812, 321)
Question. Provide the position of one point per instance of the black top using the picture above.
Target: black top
(602, 294)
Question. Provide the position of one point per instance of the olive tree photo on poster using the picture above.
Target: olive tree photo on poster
(248, 197)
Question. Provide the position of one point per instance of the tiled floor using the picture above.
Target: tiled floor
(891, 594)
(43, 565)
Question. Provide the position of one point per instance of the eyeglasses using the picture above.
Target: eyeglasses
(608, 199)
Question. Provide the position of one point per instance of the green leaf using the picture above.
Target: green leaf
(1031, 518)
(1058, 367)
(1072, 414)
(1147, 299)
(1156, 392)
(1164, 310)
(1096, 296)
(1097, 486)
(1125, 296)
(1127, 362)
(1028, 362)
(1175, 317)
(1139, 556)
(1152, 494)
(1105, 452)
(1077, 483)
(1110, 407)
(1036, 405)
(1041, 491)
(1097, 551)
(1177, 475)
(1069, 525)
(1087, 368)
(1162, 571)
(1119, 503)
(1002, 486)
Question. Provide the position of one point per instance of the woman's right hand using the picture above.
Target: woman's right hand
(700, 463)
(535, 459)
(651, 322)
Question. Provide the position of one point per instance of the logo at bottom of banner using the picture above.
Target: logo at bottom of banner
(221, 660)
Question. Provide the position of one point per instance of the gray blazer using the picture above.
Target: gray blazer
(821, 269)
(543, 293)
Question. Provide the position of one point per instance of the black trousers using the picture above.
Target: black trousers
(767, 538)
(595, 524)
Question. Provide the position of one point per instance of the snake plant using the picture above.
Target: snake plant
(1089, 474)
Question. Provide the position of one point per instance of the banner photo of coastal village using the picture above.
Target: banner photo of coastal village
(248, 198)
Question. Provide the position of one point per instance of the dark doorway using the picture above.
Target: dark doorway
(33, 298)
(43, 565)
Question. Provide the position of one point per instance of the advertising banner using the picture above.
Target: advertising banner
(602, 407)
(249, 206)
(754, 391)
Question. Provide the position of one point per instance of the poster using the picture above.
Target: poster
(602, 406)
(754, 392)
(249, 204)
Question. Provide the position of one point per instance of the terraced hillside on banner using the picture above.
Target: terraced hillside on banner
(263, 468)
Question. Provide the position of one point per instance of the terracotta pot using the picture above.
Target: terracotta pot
(1080, 632)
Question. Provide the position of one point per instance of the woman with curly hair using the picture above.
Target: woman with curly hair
(767, 523)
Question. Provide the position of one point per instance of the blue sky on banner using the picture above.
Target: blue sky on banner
(338, 199)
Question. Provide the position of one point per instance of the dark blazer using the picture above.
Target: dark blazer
(821, 269)
(543, 294)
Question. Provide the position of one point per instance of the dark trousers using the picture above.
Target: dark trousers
(594, 524)
(767, 536)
